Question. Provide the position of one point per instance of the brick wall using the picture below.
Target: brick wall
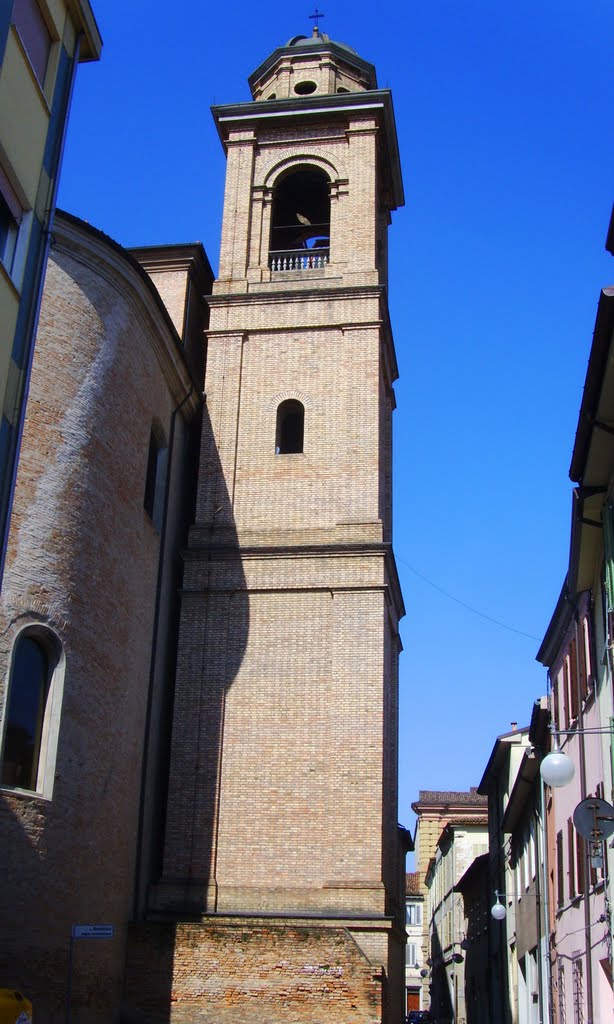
(247, 971)
(283, 778)
(83, 561)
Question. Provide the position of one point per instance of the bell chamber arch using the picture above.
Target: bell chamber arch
(300, 220)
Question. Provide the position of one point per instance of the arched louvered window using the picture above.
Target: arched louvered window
(290, 431)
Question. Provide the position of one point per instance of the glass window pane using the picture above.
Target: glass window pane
(34, 34)
(27, 697)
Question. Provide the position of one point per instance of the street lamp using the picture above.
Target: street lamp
(557, 769)
(498, 910)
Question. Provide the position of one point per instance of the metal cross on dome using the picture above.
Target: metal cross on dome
(316, 17)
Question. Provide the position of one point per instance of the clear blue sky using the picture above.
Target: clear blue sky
(504, 120)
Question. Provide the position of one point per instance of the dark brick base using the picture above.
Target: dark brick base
(247, 973)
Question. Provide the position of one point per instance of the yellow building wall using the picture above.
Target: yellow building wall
(24, 116)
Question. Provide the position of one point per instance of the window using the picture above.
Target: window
(10, 219)
(581, 863)
(567, 718)
(30, 730)
(290, 428)
(412, 954)
(414, 914)
(573, 680)
(557, 710)
(300, 221)
(34, 34)
(560, 880)
(571, 859)
(578, 988)
(586, 680)
(153, 498)
(305, 88)
(8, 234)
(561, 992)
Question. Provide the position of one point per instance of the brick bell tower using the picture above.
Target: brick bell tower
(282, 805)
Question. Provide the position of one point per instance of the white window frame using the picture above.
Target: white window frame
(15, 267)
(48, 749)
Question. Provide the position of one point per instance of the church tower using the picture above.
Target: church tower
(282, 800)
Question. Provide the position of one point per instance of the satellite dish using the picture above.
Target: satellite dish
(594, 819)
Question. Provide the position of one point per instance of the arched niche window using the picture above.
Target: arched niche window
(290, 428)
(30, 736)
(155, 476)
(300, 221)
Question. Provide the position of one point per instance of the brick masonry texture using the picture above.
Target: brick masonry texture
(245, 971)
(82, 561)
(269, 875)
(283, 779)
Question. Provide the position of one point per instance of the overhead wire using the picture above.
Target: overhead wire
(463, 604)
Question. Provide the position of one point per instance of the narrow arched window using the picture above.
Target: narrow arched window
(153, 497)
(290, 428)
(25, 716)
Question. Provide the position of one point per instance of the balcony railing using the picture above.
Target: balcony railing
(298, 259)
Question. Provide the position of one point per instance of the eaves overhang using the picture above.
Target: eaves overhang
(586, 540)
(271, 113)
(182, 256)
(85, 23)
(557, 629)
(539, 732)
(522, 791)
(609, 242)
(592, 460)
(498, 757)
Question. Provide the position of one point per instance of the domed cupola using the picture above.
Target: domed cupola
(311, 65)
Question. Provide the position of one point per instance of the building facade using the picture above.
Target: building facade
(519, 983)
(88, 624)
(580, 950)
(204, 587)
(474, 887)
(461, 842)
(41, 44)
(435, 809)
(577, 651)
(414, 965)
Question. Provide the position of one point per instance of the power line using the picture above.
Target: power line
(463, 604)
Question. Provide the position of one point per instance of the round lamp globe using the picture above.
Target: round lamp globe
(557, 769)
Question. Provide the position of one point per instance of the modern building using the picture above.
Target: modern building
(435, 809)
(200, 582)
(414, 965)
(41, 44)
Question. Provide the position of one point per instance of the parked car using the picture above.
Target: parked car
(419, 1017)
